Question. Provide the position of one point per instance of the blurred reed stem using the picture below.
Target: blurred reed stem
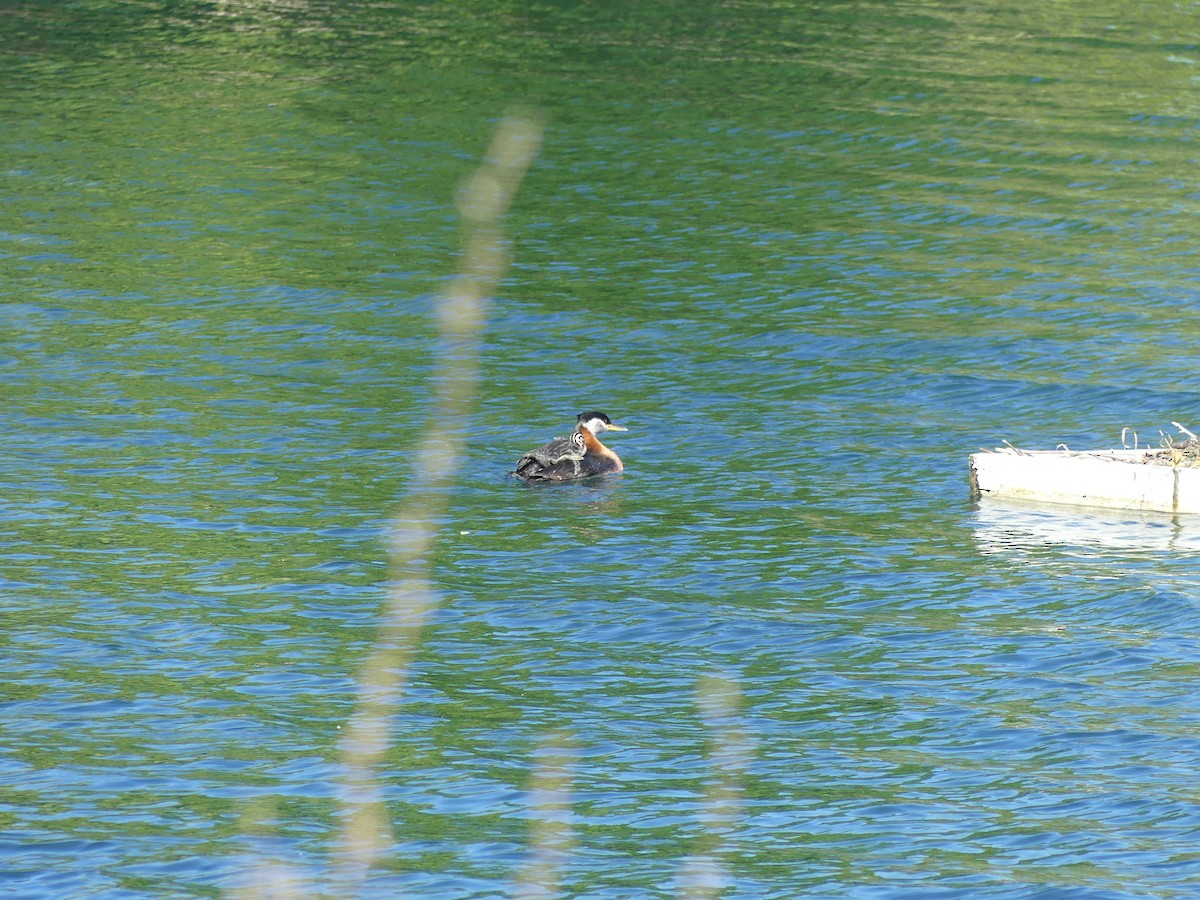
(705, 874)
(551, 836)
(461, 312)
(366, 834)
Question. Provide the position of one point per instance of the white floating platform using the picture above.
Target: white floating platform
(1112, 479)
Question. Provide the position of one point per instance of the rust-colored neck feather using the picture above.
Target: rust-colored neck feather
(592, 442)
(595, 448)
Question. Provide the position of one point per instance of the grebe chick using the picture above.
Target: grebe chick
(578, 455)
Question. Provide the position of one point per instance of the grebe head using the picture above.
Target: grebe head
(598, 422)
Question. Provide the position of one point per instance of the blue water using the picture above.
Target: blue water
(811, 257)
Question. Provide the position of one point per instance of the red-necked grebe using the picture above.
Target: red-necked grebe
(578, 455)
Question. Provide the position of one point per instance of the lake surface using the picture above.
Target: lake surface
(812, 255)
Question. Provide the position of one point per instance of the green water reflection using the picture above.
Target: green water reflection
(811, 253)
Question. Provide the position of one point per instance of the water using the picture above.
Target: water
(811, 255)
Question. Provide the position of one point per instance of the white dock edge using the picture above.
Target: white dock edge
(1113, 479)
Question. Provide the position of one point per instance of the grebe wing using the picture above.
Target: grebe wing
(559, 450)
(570, 450)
